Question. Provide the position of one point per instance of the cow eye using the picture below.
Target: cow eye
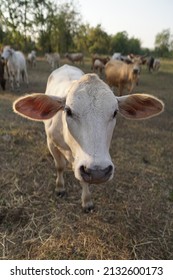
(68, 111)
(114, 114)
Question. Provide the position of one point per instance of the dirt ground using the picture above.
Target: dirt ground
(133, 215)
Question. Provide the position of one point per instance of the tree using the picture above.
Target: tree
(80, 40)
(52, 26)
(98, 40)
(44, 22)
(67, 26)
(163, 43)
(119, 43)
(134, 46)
(14, 15)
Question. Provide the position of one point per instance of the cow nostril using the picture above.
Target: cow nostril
(96, 174)
(84, 170)
(108, 170)
(85, 173)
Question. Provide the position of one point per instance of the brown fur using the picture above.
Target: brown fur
(104, 60)
(122, 75)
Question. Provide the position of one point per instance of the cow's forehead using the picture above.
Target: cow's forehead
(91, 91)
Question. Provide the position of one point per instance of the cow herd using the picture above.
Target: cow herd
(119, 72)
(79, 111)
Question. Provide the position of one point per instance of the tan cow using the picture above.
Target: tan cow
(122, 75)
(79, 112)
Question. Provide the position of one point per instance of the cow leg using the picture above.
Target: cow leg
(26, 77)
(87, 203)
(3, 82)
(18, 79)
(12, 81)
(60, 163)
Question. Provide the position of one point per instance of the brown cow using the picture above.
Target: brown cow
(122, 75)
(75, 57)
(104, 60)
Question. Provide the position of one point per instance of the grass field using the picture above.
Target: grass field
(133, 216)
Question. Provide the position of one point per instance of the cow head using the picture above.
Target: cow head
(7, 51)
(136, 70)
(88, 116)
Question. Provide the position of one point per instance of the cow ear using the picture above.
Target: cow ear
(139, 106)
(38, 107)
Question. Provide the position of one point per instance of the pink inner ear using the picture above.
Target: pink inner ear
(146, 106)
(38, 107)
(141, 106)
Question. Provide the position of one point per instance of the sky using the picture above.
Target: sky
(141, 19)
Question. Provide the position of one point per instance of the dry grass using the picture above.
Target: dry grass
(133, 217)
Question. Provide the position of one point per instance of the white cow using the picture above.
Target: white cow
(116, 56)
(32, 59)
(53, 59)
(16, 65)
(156, 64)
(79, 112)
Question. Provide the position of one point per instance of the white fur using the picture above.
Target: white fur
(82, 138)
(53, 59)
(32, 58)
(16, 65)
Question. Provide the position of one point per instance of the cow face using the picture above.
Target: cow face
(6, 52)
(88, 123)
(136, 73)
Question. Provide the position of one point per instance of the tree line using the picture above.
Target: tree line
(49, 27)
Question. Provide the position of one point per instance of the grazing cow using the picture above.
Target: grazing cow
(75, 57)
(32, 58)
(53, 59)
(103, 60)
(122, 75)
(150, 63)
(118, 56)
(98, 66)
(156, 64)
(79, 112)
(153, 64)
(126, 59)
(16, 65)
(2, 79)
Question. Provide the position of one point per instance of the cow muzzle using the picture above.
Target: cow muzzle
(96, 175)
